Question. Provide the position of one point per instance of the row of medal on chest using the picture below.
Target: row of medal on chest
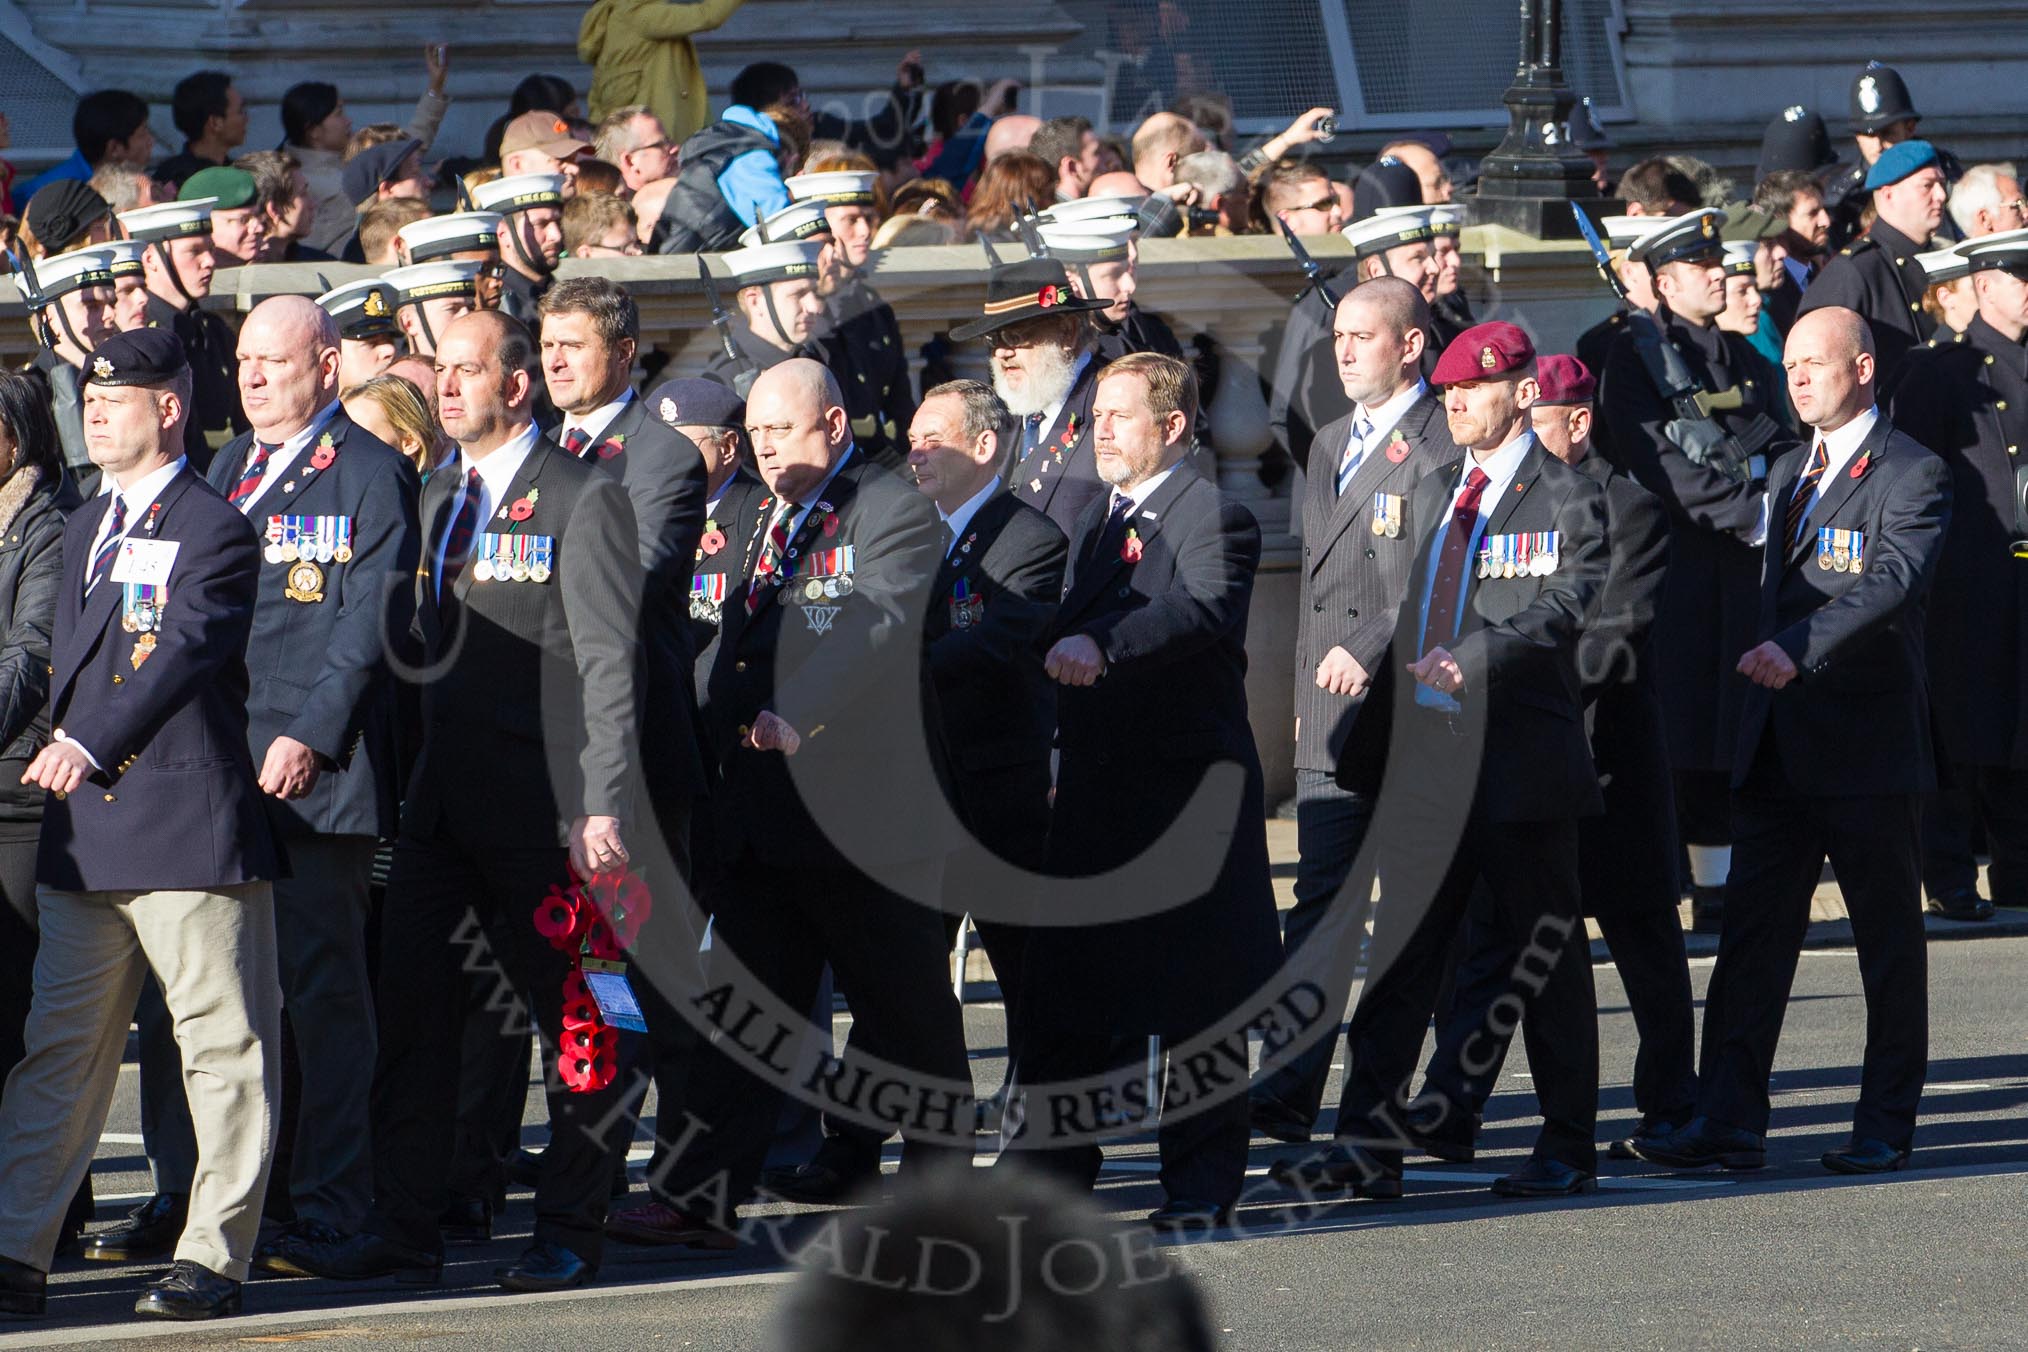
(1533, 554)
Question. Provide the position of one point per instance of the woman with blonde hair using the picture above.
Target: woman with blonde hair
(393, 409)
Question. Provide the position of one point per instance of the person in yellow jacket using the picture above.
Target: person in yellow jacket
(640, 52)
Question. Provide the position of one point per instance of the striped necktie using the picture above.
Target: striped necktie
(458, 537)
(575, 440)
(772, 552)
(103, 559)
(250, 478)
(1805, 495)
(1355, 453)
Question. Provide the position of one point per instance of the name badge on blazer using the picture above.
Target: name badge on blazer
(514, 558)
(1532, 554)
(144, 561)
(1841, 551)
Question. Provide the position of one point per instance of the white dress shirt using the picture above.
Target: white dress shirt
(1499, 468)
(284, 456)
(1841, 447)
(1140, 492)
(1370, 426)
(496, 474)
(958, 520)
(598, 420)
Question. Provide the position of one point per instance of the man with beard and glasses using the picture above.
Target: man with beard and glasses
(1045, 369)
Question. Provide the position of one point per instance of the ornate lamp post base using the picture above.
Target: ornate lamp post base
(1532, 177)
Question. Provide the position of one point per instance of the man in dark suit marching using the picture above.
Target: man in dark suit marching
(1627, 854)
(1968, 402)
(527, 602)
(1834, 755)
(337, 512)
(820, 666)
(1150, 654)
(1045, 369)
(155, 851)
(995, 596)
(1487, 773)
(1358, 547)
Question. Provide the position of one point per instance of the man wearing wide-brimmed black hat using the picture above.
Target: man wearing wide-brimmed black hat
(1045, 369)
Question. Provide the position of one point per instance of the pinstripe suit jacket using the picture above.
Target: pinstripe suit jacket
(1352, 579)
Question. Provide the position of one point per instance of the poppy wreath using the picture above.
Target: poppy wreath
(595, 919)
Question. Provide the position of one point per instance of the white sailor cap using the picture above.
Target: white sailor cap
(1739, 255)
(361, 309)
(1447, 220)
(1676, 238)
(519, 192)
(63, 273)
(2006, 251)
(796, 221)
(1388, 228)
(433, 280)
(839, 188)
(457, 232)
(759, 264)
(169, 220)
(126, 256)
(1621, 231)
(1103, 240)
(1092, 208)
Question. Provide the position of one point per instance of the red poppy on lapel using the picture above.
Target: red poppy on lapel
(322, 457)
(830, 523)
(612, 445)
(1861, 465)
(1397, 447)
(521, 509)
(712, 541)
(1130, 549)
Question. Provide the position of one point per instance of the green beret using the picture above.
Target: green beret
(232, 187)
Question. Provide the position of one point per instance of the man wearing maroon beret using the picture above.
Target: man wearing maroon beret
(1481, 702)
(1627, 855)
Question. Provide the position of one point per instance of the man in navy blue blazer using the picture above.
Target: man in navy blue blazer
(155, 850)
(336, 510)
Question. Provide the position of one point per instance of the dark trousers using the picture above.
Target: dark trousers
(1331, 825)
(1530, 873)
(495, 1040)
(1782, 839)
(18, 944)
(435, 882)
(1008, 811)
(1992, 797)
(773, 931)
(1704, 806)
(1202, 1137)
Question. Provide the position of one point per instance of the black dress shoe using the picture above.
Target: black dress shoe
(150, 1231)
(23, 1289)
(546, 1267)
(1277, 1121)
(1700, 1143)
(1963, 904)
(1181, 1216)
(1545, 1178)
(277, 1254)
(1707, 909)
(190, 1291)
(1441, 1132)
(1650, 1129)
(1341, 1168)
(817, 1183)
(524, 1166)
(363, 1257)
(467, 1220)
(1865, 1155)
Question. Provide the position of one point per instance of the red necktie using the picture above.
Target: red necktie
(458, 538)
(1442, 625)
(575, 440)
(250, 479)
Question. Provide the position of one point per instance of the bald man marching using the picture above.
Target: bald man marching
(335, 509)
(1834, 757)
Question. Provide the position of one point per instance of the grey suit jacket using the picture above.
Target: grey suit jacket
(1353, 579)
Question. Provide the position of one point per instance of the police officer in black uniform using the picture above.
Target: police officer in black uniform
(1880, 275)
(1694, 414)
(1968, 402)
(1883, 115)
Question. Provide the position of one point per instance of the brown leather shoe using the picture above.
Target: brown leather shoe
(665, 1226)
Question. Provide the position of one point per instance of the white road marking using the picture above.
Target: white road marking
(1642, 1184)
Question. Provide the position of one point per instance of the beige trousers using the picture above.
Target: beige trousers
(214, 954)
